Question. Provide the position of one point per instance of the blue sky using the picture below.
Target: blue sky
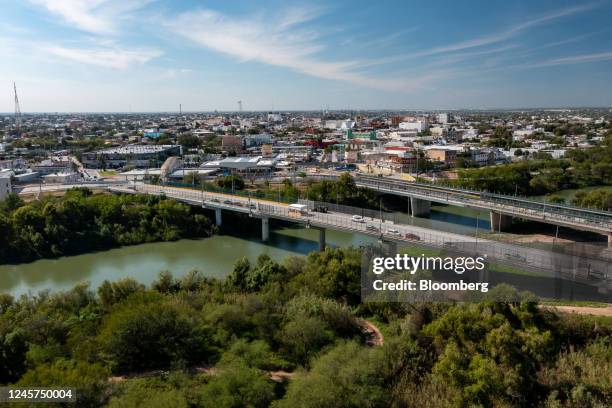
(148, 55)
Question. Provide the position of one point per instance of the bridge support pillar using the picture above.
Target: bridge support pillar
(609, 240)
(499, 222)
(218, 218)
(321, 239)
(419, 208)
(265, 229)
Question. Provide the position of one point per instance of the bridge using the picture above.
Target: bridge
(595, 270)
(501, 207)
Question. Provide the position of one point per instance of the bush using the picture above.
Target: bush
(149, 335)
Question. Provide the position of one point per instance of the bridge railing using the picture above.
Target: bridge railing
(276, 196)
(586, 264)
(578, 214)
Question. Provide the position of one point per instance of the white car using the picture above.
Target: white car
(393, 232)
(357, 218)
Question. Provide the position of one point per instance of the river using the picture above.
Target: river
(214, 256)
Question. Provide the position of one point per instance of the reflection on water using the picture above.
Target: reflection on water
(214, 256)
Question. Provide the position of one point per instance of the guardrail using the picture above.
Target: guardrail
(601, 220)
(590, 269)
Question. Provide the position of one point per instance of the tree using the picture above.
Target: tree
(237, 386)
(349, 375)
(189, 141)
(13, 350)
(233, 181)
(89, 380)
(148, 334)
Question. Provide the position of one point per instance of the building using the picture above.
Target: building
(418, 125)
(446, 156)
(444, 118)
(242, 165)
(5, 183)
(62, 178)
(266, 150)
(231, 143)
(14, 164)
(139, 156)
(53, 165)
(257, 140)
(365, 136)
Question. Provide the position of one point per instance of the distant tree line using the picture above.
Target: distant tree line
(579, 168)
(81, 222)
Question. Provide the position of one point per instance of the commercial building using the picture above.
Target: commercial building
(446, 156)
(62, 178)
(242, 165)
(13, 164)
(231, 143)
(418, 125)
(139, 156)
(53, 165)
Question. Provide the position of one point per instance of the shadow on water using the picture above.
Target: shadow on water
(214, 256)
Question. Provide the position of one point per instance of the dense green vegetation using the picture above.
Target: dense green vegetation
(599, 198)
(223, 343)
(82, 222)
(579, 168)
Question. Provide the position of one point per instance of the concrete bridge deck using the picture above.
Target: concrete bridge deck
(502, 207)
(592, 270)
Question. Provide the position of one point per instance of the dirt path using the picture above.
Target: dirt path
(375, 337)
(583, 310)
(277, 376)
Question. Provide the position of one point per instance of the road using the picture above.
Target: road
(590, 270)
(574, 217)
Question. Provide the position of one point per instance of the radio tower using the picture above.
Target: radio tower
(240, 106)
(17, 112)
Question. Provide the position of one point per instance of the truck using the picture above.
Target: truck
(298, 209)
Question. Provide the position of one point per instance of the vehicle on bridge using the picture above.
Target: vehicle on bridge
(412, 237)
(298, 209)
(394, 232)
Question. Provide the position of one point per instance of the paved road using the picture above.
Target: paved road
(591, 270)
(563, 215)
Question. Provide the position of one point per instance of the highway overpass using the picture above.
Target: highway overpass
(501, 207)
(594, 271)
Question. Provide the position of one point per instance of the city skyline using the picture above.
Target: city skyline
(140, 55)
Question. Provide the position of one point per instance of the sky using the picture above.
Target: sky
(152, 55)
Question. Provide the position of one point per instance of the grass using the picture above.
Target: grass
(108, 173)
(511, 270)
(569, 194)
(578, 303)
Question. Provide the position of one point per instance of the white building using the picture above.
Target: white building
(62, 178)
(418, 125)
(5, 184)
(444, 118)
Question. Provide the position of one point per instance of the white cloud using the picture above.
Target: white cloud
(116, 58)
(576, 59)
(504, 35)
(281, 42)
(94, 16)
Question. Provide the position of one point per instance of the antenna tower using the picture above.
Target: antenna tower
(240, 106)
(17, 112)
